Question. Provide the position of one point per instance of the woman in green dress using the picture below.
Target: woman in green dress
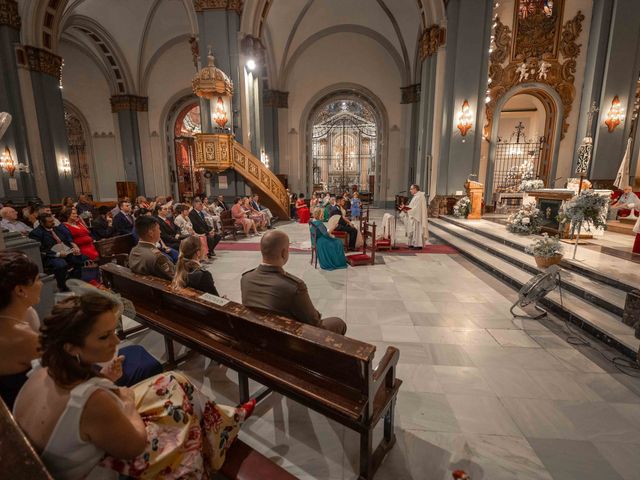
(330, 250)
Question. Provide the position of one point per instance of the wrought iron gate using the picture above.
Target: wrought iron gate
(344, 140)
(518, 159)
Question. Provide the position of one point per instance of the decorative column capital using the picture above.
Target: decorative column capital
(132, 103)
(202, 5)
(9, 14)
(275, 98)
(432, 38)
(410, 94)
(39, 60)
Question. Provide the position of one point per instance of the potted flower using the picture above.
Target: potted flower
(462, 207)
(525, 221)
(585, 210)
(547, 251)
(529, 185)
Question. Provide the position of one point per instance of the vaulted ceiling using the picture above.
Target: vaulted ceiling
(126, 37)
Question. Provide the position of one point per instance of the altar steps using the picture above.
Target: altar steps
(605, 296)
(579, 308)
(621, 226)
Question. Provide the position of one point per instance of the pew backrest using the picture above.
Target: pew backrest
(117, 247)
(288, 355)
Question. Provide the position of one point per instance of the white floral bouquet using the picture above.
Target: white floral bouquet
(528, 185)
(587, 209)
(462, 208)
(524, 221)
(545, 247)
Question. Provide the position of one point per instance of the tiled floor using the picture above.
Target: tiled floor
(501, 399)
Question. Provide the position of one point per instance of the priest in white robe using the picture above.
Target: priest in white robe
(415, 219)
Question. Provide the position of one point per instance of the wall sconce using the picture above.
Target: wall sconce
(9, 165)
(615, 115)
(464, 119)
(66, 166)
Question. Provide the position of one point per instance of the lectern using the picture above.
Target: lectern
(474, 192)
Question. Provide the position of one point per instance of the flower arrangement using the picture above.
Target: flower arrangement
(524, 221)
(528, 185)
(462, 207)
(586, 209)
(545, 247)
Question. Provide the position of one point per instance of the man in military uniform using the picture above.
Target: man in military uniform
(269, 287)
(145, 258)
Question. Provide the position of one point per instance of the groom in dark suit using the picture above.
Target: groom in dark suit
(200, 225)
(123, 221)
(58, 260)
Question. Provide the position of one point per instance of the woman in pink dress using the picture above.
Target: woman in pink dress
(80, 233)
(302, 210)
(259, 218)
(240, 216)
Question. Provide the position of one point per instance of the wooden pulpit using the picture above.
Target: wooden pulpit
(474, 192)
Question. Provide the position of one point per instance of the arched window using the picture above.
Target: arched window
(190, 181)
(344, 141)
(78, 154)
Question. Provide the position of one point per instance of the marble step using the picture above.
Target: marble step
(597, 321)
(602, 295)
(609, 273)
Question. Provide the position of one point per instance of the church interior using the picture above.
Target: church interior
(320, 239)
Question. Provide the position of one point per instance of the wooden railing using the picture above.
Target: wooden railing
(218, 152)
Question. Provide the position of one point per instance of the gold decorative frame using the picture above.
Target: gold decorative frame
(559, 75)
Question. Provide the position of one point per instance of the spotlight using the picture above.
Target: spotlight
(251, 64)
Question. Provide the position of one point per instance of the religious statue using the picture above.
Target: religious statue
(543, 69)
(523, 70)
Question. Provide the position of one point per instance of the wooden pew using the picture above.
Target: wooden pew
(327, 372)
(114, 249)
(228, 225)
(20, 460)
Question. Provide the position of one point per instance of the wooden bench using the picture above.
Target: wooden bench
(327, 372)
(228, 225)
(115, 249)
(20, 460)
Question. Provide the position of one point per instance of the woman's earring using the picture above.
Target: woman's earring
(78, 357)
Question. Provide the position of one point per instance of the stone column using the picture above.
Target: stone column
(273, 100)
(594, 70)
(45, 76)
(410, 96)
(620, 77)
(467, 61)
(218, 27)
(20, 188)
(127, 107)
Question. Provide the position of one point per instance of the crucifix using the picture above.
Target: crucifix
(519, 129)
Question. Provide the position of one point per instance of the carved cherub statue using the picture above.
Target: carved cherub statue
(543, 68)
(523, 70)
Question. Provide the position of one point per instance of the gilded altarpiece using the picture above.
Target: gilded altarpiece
(539, 50)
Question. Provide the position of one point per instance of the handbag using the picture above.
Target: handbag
(91, 272)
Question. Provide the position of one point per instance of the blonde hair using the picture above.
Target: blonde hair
(318, 214)
(189, 248)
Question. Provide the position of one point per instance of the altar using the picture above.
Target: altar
(550, 202)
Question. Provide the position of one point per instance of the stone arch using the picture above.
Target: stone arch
(168, 118)
(553, 108)
(403, 69)
(90, 160)
(324, 96)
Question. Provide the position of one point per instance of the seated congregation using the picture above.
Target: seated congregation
(75, 395)
(70, 239)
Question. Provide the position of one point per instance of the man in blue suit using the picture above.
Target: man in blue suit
(58, 259)
(123, 221)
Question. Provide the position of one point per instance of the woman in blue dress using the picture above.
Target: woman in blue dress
(330, 251)
(355, 206)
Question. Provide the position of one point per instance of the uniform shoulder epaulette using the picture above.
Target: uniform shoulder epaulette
(248, 271)
(294, 278)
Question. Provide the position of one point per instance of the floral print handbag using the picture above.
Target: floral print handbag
(187, 435)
